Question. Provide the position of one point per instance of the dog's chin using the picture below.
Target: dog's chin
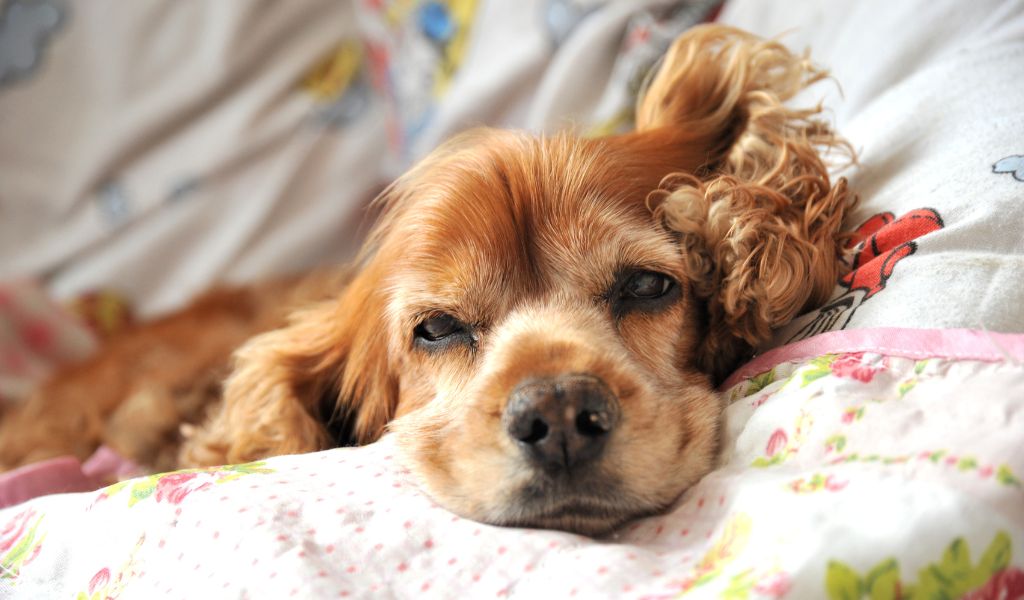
(593, 520)
(592, 510)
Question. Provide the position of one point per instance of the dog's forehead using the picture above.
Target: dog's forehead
(527, 222)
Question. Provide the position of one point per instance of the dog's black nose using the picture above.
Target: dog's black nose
(561, 421)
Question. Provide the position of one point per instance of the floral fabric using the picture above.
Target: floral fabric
(844, 476)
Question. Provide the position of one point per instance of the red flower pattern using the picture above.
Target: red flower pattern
(15, 529)
(776, 442)
(775, 586)
(174, 488)
(852, 366)
(99, 580)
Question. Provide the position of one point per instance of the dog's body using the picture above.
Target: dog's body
(540, 321)
(150, 379)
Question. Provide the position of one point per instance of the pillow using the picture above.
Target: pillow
(930, 95)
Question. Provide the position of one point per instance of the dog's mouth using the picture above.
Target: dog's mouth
(594, 509)
(581, 516)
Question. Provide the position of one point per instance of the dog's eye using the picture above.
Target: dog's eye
(642, 291)
(647, 285)
(438, 327)
(441, 329)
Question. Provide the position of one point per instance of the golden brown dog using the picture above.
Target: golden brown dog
(541, 322)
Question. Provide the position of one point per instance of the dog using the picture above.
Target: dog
(541, 322)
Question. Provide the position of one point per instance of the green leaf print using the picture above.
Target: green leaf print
(816, 369)
(24, 549)
(836, 443)
(760, 381)
(842, 582)
(997, 555)
(882, 582)
(770, 461)
(142, 489)
(956, 561)
(739, 586)
(909, 384)
(953, 576)
(906, 386)
(1006, 477)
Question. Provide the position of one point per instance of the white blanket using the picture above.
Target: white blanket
(844, 476)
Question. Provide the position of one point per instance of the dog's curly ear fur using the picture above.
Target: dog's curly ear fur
(305, 386)
(759, 222)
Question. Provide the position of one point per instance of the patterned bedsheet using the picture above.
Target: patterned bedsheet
(884, 474)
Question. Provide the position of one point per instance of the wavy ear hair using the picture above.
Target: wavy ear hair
(326, 378)
(759, 222)
(320, 381)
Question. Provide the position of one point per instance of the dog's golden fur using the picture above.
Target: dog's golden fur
(722, 188)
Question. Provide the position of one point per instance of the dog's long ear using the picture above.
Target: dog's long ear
(759, 220)
(321, 381)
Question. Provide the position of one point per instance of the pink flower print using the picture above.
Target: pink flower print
(851, 366)
(15, 529)
(1007, 583)
(985, 473)
(774, 586)
(19, 544)
(776, 442)
(99, 580)
(834, 486)
(175, 487)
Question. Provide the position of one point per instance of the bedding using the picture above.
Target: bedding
(215, 142)
(859, 459)
(929, 94)
(866, 472)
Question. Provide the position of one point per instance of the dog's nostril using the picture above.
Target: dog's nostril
(562, 421)
(538, 431)
(593, 423)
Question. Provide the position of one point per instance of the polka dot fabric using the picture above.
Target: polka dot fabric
(837, 471)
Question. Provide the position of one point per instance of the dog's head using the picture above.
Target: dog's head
(542, 321)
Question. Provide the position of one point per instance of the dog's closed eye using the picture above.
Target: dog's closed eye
(440, 331)
(642, 291)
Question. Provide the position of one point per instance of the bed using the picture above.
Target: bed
(874, 450)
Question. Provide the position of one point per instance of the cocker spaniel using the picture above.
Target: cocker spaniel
(540, 321)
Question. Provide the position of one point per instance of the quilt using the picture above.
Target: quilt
(888, 467)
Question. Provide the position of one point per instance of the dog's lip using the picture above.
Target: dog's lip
(549, 512)
(593, 511)
(582, 507)
(579, 516)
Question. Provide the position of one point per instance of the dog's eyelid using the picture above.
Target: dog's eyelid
(436, 331)
(418, 317)
(628, 268)
(625, 273)
(642, 290)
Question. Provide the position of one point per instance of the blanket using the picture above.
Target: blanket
(858, 460)
(892, 469)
